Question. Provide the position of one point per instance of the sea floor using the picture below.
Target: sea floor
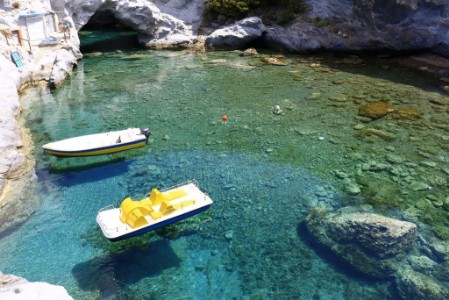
(263, 168)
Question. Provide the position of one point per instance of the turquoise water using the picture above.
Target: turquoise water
(264, 172)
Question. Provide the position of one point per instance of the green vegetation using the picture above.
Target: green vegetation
(320, 22)
(280, 12)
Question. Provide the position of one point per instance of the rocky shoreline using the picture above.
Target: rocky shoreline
(161, 26)
(13, 287)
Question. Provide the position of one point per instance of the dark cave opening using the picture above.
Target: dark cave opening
(105, 33)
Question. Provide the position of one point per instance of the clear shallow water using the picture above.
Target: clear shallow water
(263, 171)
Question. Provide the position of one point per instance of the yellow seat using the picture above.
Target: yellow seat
(155, 215)
(174, 194)
(157, 197)
(167, 208)
(133, 213)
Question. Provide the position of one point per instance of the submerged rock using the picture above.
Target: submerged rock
(406, 113)
(375, 110)
(249, 52)
(373, 244)
(352, 188)
(366, 132)
(417, 286)
(274, 60)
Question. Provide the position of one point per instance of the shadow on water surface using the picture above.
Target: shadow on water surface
(110, 273)
(84, 173)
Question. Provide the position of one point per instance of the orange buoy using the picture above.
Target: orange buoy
(224, 118)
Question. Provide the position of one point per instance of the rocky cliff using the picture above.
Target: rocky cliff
(367, 25)
(358, 25)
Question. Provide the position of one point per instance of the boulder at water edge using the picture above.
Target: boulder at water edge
(371, 243)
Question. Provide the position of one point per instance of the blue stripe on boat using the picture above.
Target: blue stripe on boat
(102, 148)
(161, 224)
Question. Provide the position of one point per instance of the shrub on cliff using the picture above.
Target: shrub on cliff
(277, 11)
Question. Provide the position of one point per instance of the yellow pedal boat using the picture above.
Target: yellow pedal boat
(159, 209)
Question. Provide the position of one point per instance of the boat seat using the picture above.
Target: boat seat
(168, 208)
(157, 197)
(155, 215)
(133, 213)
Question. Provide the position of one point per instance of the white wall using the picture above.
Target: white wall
(39, 27)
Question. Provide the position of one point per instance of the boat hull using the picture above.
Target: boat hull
(97, 151)
(159, 225)
(99, 143)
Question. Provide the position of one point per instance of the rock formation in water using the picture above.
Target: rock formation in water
(375, 245)
(383, 247)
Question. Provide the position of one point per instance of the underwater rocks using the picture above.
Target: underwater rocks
(366, 132)
(274, 60)
(406, 114)
(375, 110)
(373, 244)
(13, 287)
(418, 286)
(249, 52)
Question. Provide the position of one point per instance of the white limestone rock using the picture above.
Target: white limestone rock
(169, 26)
(80, 11)
(156, 29)
(63, 64)
(17, 288)
(188, 11)
(236, 36)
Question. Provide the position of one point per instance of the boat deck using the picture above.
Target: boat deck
(98, 140)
